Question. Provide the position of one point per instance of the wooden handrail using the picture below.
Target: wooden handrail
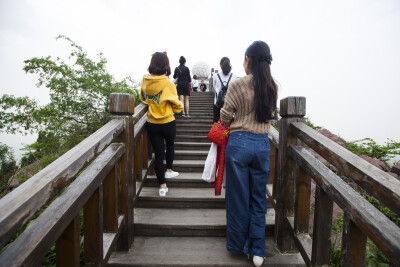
(105, 190)
(28, 249)
(20, 205)
(295, 169)
(376, 182)
(382, 231)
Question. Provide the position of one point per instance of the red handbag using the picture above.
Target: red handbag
(219, 134)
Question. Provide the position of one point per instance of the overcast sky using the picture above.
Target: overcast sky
(343, 56)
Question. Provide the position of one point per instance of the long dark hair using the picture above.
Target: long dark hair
(225, 65)
(159, 64)
(265, 88)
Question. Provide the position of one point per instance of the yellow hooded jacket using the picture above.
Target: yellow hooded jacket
(159, 93)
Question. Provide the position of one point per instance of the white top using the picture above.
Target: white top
(217, 84)
(195, 83)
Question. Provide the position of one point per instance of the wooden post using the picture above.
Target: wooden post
(292, 109)
(322, 228)
(353, 243)
(122, 106)
(68, 247)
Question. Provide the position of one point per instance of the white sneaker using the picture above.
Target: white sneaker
(171, 174)
(258, 261)
(162, 192)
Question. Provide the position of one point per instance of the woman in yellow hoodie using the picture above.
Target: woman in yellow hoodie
(159, 93)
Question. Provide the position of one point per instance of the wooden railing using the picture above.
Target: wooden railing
(293, 167)
(100, 176)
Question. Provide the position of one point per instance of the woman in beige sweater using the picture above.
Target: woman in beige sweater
(251, 102)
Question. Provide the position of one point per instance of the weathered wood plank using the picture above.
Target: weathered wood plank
(302, 202)
(68, 246)
(383, 232)
(93, 229)
(353, 244)
(21, 204)
(291, 110)
(376, 182)
(302, 241)
(32, 245)
(110, 240)
(140, 126)
(110, 202)
(321, 244)
(140, 111)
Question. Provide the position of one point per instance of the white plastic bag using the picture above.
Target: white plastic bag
(210, 165)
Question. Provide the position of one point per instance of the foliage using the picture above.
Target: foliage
(387, 212)
(337, 227)
(79, 101)
(374, 256)
(8, 166)
(334, 256)
(369, 147)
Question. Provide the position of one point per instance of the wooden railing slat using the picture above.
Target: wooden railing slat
(93, 229)
(376, 182)
(21, 204)
(322, 228)
(353, 243)
(383, 232)
(68, 246)
(302, 202)
(28, 248)
(110, 202)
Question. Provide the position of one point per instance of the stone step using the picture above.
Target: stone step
(192, 146)
(195, 122)
(195, 116)
(200, 126)
(195, 252)
(191, 138)
(193, 132)
(194, 198)
(190, 154)
(191, 165)
(188, 222)
(185, 180)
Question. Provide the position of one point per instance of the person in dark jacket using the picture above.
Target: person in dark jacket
(182, 73)
(203, 86)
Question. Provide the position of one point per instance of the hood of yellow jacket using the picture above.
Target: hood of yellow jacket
(152, 85)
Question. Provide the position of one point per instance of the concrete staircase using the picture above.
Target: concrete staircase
(188, 226)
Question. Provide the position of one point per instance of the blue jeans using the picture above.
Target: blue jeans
(247, 167)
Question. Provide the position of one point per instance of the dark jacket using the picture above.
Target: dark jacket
(183, 74)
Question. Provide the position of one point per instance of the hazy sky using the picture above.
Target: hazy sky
(343, 56)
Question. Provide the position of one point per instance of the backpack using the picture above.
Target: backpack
(221, 95)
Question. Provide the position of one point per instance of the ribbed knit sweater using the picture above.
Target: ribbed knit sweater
(239, 103)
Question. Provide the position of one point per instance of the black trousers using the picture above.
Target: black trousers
(216, 111)
(158, 133)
